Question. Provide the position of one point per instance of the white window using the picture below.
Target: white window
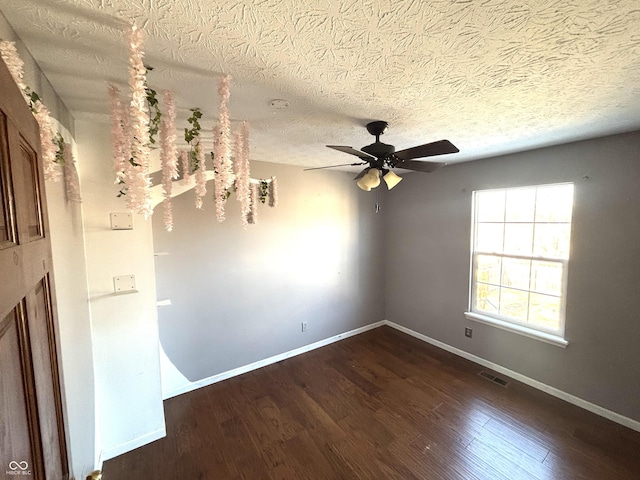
(519, 257)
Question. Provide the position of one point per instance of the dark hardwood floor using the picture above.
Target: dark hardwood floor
(381, 405)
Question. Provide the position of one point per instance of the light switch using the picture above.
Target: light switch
(124, 284)
(121, 221)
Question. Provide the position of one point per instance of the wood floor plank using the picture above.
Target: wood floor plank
(380, 405)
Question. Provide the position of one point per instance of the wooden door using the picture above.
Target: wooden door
(32, 440)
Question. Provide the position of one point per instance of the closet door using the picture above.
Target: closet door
(32, 440)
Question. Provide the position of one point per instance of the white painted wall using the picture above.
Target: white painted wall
(125, 327)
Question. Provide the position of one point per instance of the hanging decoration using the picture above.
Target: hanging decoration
(71, 180)
(118, 136)
(168, 156)
(222, 164)
(40, 111)
(252, 215)
(184, 165)
(201, 178)
(273, 193)
(196, 155)
(243, 175)
(133, 131)
(64, 158)
(137, 169)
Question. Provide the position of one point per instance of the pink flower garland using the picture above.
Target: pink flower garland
(222, 164)
(273, 193)
(184, 164)
(15, 65)
(242, 172)
(71, 181)
(48, 147)
(252, 216)
(42, 114)
(118, 134)
(201, 175)
(137, 171)
(168, 156)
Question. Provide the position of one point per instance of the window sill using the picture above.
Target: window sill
(519, 329)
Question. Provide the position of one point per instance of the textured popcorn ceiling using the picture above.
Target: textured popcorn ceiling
(492, 76)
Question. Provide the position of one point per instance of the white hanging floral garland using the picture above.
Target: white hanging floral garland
(222, 164)
(168, 156)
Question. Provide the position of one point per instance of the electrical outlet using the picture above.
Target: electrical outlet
(304, 326)
(468, 332)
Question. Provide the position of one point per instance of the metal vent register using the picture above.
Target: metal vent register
(500, 381)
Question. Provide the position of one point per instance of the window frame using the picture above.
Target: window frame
(552, 336)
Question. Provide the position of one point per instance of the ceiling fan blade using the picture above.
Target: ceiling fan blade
(333, 166)
(441, 147)
(421, 166)
(352, 151)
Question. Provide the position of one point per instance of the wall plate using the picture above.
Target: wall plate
(124, 284)
(121, 221)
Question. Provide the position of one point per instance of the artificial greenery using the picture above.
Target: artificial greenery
(264, 191)
(193, 133)
(34, 98)
(59, 141)
(154, 113)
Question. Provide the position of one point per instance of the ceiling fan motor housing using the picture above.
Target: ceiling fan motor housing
(380, 151)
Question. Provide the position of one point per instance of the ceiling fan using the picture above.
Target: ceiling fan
(381, 157)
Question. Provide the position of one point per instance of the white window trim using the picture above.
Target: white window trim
(509, 325)
(518, 329)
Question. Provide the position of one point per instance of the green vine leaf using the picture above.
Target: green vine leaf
(59, 141)
(155, 115)
(34, 98)
(264, 191)
(191, 134)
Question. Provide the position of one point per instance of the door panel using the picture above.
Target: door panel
(31, 194)
(15, 445)
(7, 210)
(41, 332)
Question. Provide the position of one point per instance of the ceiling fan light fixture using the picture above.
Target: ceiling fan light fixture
(363, 184)
(391, 179)
(373, 178)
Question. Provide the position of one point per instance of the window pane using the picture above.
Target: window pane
(514, 304)
(546, 277)
(554, 203)
(489, 237)
(552, 240)
(490, 206)
(518, 238)
(487, 298)
(544, 311)
(520, 205)
(488, 269)
(516, 273)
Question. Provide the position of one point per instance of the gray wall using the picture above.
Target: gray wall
(239, 296)
(427, 268)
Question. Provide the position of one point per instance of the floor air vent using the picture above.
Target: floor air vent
(493, 378)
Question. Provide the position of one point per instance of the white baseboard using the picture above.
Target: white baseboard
(598, 410)
(267, 361)
(131, 445)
